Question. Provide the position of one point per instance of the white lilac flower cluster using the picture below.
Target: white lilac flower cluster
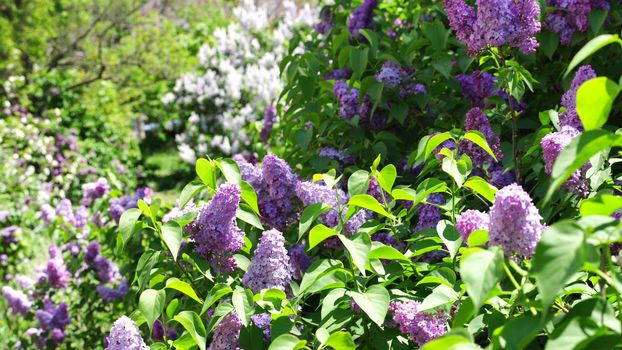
(237, 78)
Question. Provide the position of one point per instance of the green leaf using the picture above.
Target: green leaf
(559, 255)
(590, 48)
(594, 100)
(374, 302)
(358, 246)
(604, 204)
(151, 305)
(450, 342)
(244, 305)
(171, 235)
(287, 342)
(249, 196)
(194, 326)
(549, 41)
(340, 341)
(481, 187)
(189, 191)
(215, 293)
(368, 202)
(319, 233)
(450, 237)
(184, 287)
(597, 19)
(399, 112)
(230, 170)
(205, 171)
(317, 271)
(388, 253)
(303, 137)
(455, 169)
(387, 177)
(436, 141)
(478, 138)
(481, 271)
(357, 183)
(441, 295)
(309, 215)
(358, 61)
(578, 152)
(331, 300)
(127, 222)
(517, 332)
(436, 33)
(245, 213)
(477, 238)
(143, 269)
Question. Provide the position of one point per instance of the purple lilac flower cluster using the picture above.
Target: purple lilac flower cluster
(391, 74)
(569, 100)
(275, 185)
(262, 321)
(119, 205)
(552, 145)
(215, 230)
(94, 190)
(326, 22)
(124, 336)
(176, 212)
(571, 16)
(515, 223)
(495, 23)
(53, 319)
(270, 266)
(56, 271)
(158, 331)
(339, 74)
(269, 117)
(17, 300)
(299, 261)
(429, 214)
(107, 273)
(477, 87)
(340, 156)
(362, 18)
(469, 221)
(421, 326)
(348, 99)
(227, 333)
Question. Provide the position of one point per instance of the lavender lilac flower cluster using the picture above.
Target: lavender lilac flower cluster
(495, 23)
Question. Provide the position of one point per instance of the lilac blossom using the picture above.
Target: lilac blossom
(17, 301)
(362, 18)
(269, 117)
(571, 16)
(262, 321)
(270, 267)
(111, 294)
(53, 317)
(94, 190)
(429, 214)
(515, 223)
(469, 221)
(57, 273)
(421, 326)
(326, 22)
(478, 121)
(569, 100)
(299, 261)
(348, 99)
(215, 230)
(477, 87)
(119, 205)
(125, 336)
(391, 74)
(339, 74)
(227, 333)
(552, 145)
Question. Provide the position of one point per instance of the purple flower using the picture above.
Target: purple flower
(412, 89)
(268, 120)
(499, 176)
(125, 336)
(4, 214)
(385, 238)
(270, 265)
(429, 215)
(348, 99)
(17, 301)
(469, 221)
(340, 156)
(262, 321)
(391, 74)
(47, 213)
(65, 211)
(52, 316)
(377, 192)
(552, 145)
(215, 230)
(515, 223)
(339, 74)
(92, 251)
(569, 99)
(111, 294)
(326, 22)
(496, 23)
(280, 183)
(362, 18)
(477, 120)
(477, 87)
(94, 190)
(81, 217)
(227, 333)
(571, 16)
(118, 206)
(8, 234)
(57, 273)
(176, 212)
(299, 261)
(421, 326)
(107, 271)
